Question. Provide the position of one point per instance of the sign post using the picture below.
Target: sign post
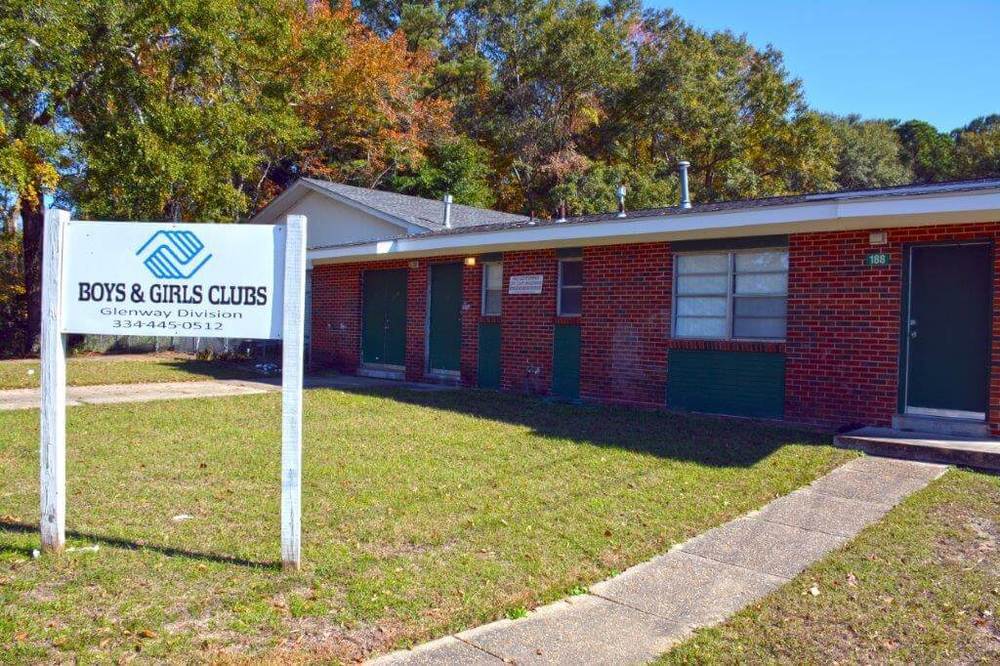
(184, 280)
(53, 405)
(291, 392)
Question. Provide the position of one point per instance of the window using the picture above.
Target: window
(570, 287)
(492, 287)
(726, 295)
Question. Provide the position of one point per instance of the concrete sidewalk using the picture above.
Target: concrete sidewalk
(638, 615)
(28, 398)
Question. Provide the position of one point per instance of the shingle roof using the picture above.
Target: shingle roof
(743, 204)
(426, 213)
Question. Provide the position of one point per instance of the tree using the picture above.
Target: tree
(929, 154)
(458, 167)
(145, 110)
(977, 148)
(12, 301)
(728, 108)
(41, 77)
(367, 108)
(191, 103)
(868, 154)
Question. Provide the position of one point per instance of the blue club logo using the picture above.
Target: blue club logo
(176, 257)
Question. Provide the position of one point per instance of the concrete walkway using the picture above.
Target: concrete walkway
(638, 615)
(28, 398)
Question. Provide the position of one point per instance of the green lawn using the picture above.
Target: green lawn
(87, 371)
(921, 586)
(423, 513)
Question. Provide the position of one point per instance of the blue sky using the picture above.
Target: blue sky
(937, 61)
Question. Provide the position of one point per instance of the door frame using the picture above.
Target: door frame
(379, 370)
(904, 332)
(454, 375)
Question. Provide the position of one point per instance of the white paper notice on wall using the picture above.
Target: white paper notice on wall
(181, 280)
(525, 284)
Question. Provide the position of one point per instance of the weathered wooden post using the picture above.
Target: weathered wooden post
(223, 279)
(291, 394)
(52, 451)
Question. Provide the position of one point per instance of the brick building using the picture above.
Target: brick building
(878, 307)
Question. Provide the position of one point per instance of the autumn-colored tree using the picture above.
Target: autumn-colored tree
(144, 110)
(366, 107)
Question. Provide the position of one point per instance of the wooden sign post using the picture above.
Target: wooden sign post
(183, 280)
(53, 379)
(291, 392)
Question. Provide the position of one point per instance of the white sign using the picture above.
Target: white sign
(138, 278)
(186, 280)
(525, 284)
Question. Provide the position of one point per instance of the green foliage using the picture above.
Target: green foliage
(868, 154)
(977, 148)
(41, 72)
(190, 101)
(458, 167)
(929, 154)
(13, 305)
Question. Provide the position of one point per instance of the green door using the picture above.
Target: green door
(566, 362)
(383, 317)
(489, 356)
(445, 343)
(947, 331)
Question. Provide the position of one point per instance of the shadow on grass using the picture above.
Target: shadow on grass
(125, 544)
(715, 441)
(221, 370)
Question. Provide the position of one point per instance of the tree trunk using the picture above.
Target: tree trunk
(33, 223)
(10, 222)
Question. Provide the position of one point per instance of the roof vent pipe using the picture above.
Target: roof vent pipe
(682, 171)
(447, 211)
(621, 200)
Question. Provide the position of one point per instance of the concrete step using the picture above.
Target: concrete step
(941, 426)
(981, 453)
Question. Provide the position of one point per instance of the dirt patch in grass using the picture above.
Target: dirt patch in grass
(921, 586)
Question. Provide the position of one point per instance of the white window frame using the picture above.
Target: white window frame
(482, 295)
(731, 295)
(559, 287)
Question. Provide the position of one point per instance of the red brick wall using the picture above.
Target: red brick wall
(842, 349)
(527, 324)
(472, 281)
(336, 325)
(336, 316)
(626, 323)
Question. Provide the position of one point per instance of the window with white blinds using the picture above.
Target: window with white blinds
(731, 295)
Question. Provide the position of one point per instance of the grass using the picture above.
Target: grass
(921, 586)
(423, 513)
(88, 371)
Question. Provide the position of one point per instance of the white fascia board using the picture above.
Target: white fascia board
(808, 217)
(284, 201)
(375, 212)
(281, 203)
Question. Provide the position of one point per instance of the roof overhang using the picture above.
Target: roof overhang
(806, 217)
(272, 213)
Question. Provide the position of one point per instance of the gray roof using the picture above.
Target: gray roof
(743, 204)
(426, 213)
